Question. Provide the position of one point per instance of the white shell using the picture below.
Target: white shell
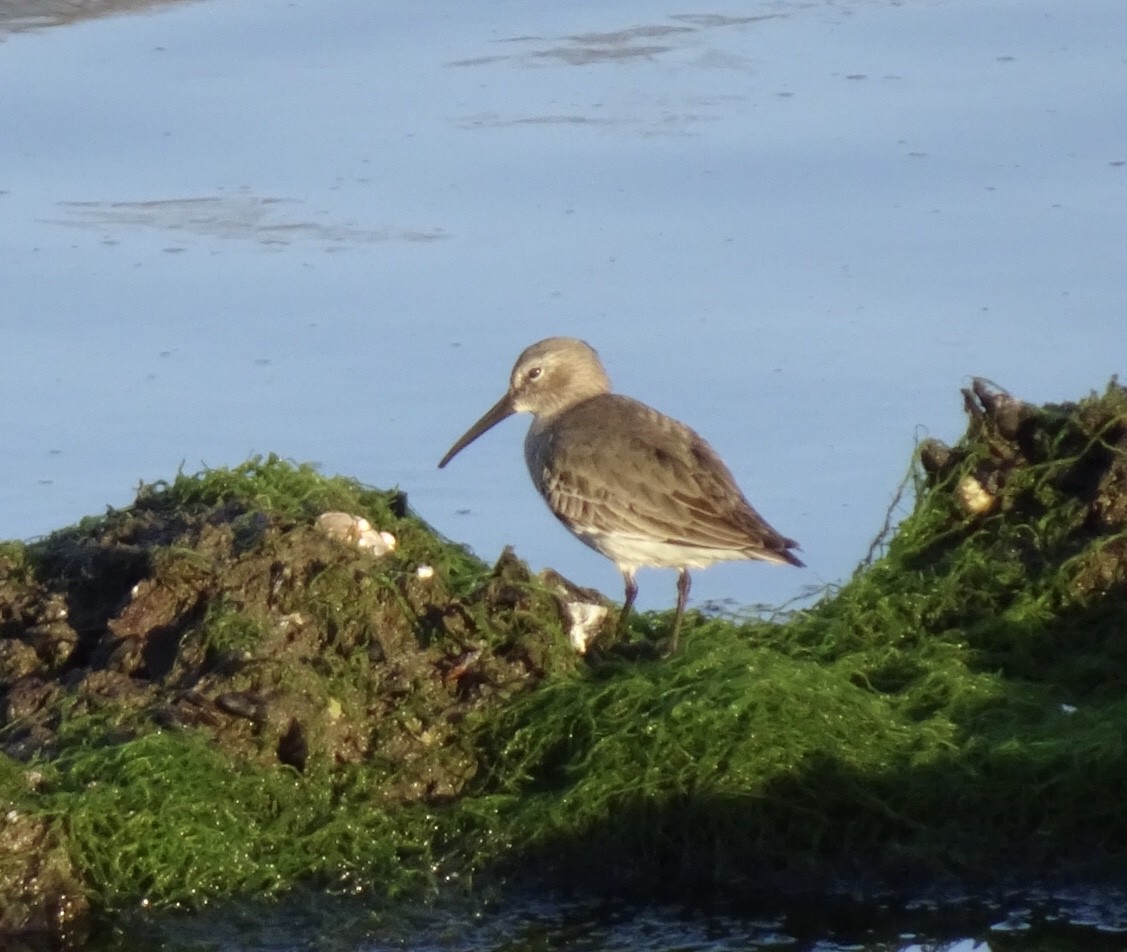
(357, 531)
(974, 498)
(585, 619)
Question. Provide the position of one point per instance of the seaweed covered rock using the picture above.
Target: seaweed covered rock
(200, 684)
(1059, 469)
(218, 693)
(956, 712)
(41, 891)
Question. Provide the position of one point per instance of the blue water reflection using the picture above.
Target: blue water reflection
(325, 229)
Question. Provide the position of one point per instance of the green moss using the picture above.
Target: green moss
(921, 717)
(269, 484)
(299, 492)
(167, 820)
(229, 637)
(13, 556)
(14, 785)
(250, 703)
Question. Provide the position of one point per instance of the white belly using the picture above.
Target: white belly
(632, 552)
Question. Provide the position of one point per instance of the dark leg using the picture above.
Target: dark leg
(683, 585)
(631, 594)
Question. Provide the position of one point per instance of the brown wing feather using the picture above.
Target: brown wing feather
(613, 464)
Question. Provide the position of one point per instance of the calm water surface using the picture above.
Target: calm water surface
(325, 229)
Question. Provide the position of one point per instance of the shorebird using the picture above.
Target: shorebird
(635, 485)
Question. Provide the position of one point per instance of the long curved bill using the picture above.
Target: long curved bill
(495, 414)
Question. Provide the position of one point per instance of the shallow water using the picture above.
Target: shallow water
(1054, 921)
(326, 229)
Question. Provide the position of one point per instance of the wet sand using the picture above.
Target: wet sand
(16, 15)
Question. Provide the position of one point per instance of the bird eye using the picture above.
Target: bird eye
(534, 373)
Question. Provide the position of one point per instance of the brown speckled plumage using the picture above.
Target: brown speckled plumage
(632, 483)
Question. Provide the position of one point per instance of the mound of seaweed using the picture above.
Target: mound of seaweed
(203, 696)
(956, 711)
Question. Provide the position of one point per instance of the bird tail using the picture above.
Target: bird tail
(778, 550)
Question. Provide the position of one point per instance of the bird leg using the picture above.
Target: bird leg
(631, 594)
(683, 585)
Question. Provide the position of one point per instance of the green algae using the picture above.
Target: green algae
(165, 820)
(955, 709)
(244, 702)
(206, 697)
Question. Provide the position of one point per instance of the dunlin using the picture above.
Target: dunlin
(633, 484)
